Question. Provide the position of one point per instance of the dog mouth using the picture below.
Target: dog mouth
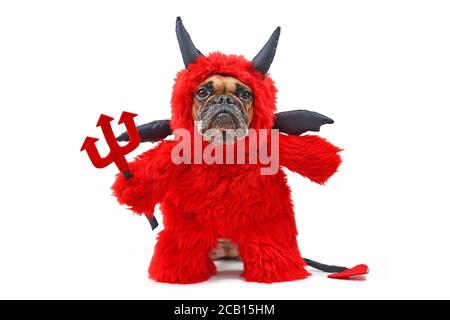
(223, 124)
(224, 121)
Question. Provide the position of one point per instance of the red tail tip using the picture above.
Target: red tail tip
(359, 270)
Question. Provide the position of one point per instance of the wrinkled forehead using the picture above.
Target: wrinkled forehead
(224, 84)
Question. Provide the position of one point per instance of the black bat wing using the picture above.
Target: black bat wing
(151, 132)
(297, 122)
(294, 122)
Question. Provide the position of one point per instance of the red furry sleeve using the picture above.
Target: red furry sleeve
(146, 187)
(311, 156)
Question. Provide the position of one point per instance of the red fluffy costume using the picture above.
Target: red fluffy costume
(201, 203)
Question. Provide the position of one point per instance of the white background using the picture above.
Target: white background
(381, 69)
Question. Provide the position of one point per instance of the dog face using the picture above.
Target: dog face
(222, 109)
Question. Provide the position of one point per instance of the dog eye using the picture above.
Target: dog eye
(246, 95)
(202, 93)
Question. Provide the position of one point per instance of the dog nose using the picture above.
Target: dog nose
(223, 99)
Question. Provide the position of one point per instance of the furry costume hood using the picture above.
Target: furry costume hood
(200, 67)
(238, 67)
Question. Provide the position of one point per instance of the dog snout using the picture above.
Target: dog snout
(230, 110)
(223, 99)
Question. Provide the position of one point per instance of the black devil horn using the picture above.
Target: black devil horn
(187, 48)
(264, 58)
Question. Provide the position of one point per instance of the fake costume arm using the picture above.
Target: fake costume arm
(310, 156)
(145, 188)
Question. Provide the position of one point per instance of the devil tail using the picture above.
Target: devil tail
(338, 272)
(324, 267)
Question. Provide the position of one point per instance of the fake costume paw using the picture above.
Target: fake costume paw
(182, 260)
(270, 253)
(273, 270)
(310, 156)
(145, 189)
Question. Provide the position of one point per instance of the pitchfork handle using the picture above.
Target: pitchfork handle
(153, 222)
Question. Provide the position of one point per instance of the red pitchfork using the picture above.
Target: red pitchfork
(117, 152)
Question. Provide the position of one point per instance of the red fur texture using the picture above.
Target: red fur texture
(202, 203)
